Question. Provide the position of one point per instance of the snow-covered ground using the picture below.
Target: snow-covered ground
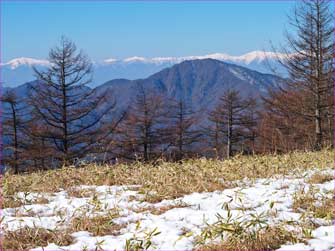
(185, 218)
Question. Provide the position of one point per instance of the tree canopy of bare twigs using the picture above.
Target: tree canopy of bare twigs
(306, 97)
(67, 107)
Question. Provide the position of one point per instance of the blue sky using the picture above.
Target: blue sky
(105, 29)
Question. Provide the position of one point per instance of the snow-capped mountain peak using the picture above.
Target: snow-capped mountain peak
(110, 60)
(259, 56)
(16, 62)
(134, 59)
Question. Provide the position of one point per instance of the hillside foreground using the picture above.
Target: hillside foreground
(249, 202)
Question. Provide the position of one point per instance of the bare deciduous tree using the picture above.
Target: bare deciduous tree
(12, 123)
(142, 134)
(182, 130)
(308, 60)
(233, 120)
(66, 105)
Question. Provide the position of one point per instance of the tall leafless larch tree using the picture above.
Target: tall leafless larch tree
(67, 107)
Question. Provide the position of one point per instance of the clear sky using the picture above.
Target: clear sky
(119, 29)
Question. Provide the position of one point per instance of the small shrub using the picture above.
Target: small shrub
(270, 238)
(248, 234)
(137, 243)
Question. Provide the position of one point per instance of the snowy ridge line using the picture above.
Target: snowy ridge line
(247, 58)
(198, 209)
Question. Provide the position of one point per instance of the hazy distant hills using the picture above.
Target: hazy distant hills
(201, 82)
(19, 70)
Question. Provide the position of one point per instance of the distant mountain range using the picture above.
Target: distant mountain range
(201, 82)
(19, 70)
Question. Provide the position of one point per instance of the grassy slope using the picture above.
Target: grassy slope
(168, 180)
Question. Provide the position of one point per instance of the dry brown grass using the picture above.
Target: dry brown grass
(27, 238)
(40, 200)
(308, 201)
(325, 210)
(238, 233)
(303, 200)
(265, 239)
(159, 210)
(319, 178)
(98, 225)
(11, 201)
(26, 213)
(80, 193)
(169, 180)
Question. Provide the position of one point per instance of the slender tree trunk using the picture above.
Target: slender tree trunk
(330, 129)
(319, 76)
(181, 133)
(64, 108)
(16, 157)
(217, 147)
(318, 130)
(146, 137)
(145, 148)
(230, 132)
(42, 158)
